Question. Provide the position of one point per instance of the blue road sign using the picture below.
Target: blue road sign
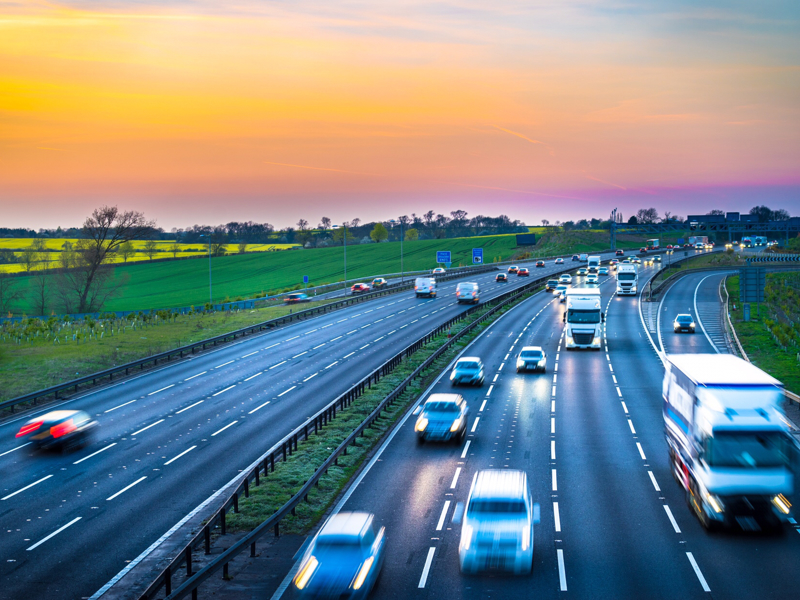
(680, 241)
(477, 256)
(443, 256)
(305, 278)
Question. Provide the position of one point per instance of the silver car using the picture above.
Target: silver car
(565, 278)
(467, 370)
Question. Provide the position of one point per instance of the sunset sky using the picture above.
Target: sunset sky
(275, 111)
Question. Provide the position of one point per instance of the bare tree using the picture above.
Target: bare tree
(545, 222)
(459, 217)
(242, 247)
(716, 211)
(175, 249)
(326, 223)
(403, 220)
(87, 286)
(667, 216)
(66, 258)
(151, 249)
(429, 218)
(8, 293)
(40, 290)
(647, 215)
(354, 223)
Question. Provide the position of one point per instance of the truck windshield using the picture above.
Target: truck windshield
(626, 276)
(746, 450)
(583, 316)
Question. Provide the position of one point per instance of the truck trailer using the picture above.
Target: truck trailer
(583, 317)
(627, 279)
(698, 239)
(729, 443)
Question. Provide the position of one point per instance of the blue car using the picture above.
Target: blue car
(467, 370)
(344, 558)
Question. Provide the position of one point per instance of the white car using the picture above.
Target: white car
(602, 271)
(438, 271)
(561, 293)
(592, 278)
(565, 278)
(559, 261)
(582, 271)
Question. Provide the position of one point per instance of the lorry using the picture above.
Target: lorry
(583, 317)
(594, 264)
(425, 287)
(698, 239)
(730, 447)
(627, 279)
(759, 240)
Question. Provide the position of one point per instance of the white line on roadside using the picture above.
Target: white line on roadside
(698, 572)
(251, 354)
(172, 460)
(424, 577)
(224, 364)
(641, 452)
(286, 391)
(254, 376)
(283, 362)
(557, 516)
(455, 478)
(259, 407)
(193, 376)
(30, 485)
(77, 462)
(466, 448)
(135, 433)
(475, 425)
(672, 519)
(187, 408)
(55, 533)
(161, 390)
(310, 377)
(115, 408)
(126, 488)
(555, 481)
(15, 449)
(562, 575)
(230, 387)
(332, 364)
(443, 516)
(653, 479)
(224, 428)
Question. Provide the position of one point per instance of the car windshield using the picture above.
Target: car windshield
(469, 365)
(531, 355)
(626, 276)
(552, 282)
(561, 288)
(465, 287)
(749, 450)
(684, 319)
(481, 506)
(442, 407)
(583, 316)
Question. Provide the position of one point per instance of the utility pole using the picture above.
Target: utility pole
(613, 229)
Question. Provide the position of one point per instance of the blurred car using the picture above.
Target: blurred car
(619, 253)
(443, 418)
(513, 269)
(551, 285)
(559, 261)
(582, 271)
(467, 370)
(296, 298)
(735, 243)
(532, 358)
(613, 263)
(593, 278)
(379, 282)
(728, 246)
(539, 263)
(670, 251)
(602, 271)
(669, 247)
(63, 430)
(498, 520)
(648, 262)
(576, 258)
(642, 250)
(438, 271)
(683, 323)
(359, 288)
(501, 278)
(343, 560)
(657, 258)
(636, 260)
(565, 278)
(561, 292)
(523, 272)
(467, 291)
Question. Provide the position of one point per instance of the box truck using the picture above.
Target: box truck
(627, 279)
(729, 443)
(594, 264)
(583, 317)
(698, 239)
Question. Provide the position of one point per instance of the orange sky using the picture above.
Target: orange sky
(198, 114)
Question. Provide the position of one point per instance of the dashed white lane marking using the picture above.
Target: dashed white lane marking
(364, 346)
(495, 378)
(230, 387)
(672, 519)
(15, 449)
(126, 488)
(557, 515)
(172, 460)
(198, 375)
(286, 391)
(562, 574)
(334, 363)
(552, 424)
(552, 406)
(326, 326)
(162, 389)
(273, 345)
(483, 405)
(443, 516)
(181, 410)
(552, 449)
(135, 433)
(301, 354)
(466, 448)
(337, 338)
(27, 487)
(351, 332)
(115, 408)
(292, 338)
(625, 407)
(310, 332)
(55, 533)
(619, 393)
(224, 428)
(320, 346)
(283, 362)
(426, 569)
(251, 354)
(254, 376)
(224, 364)
(555, 481)
(310, 377)
(491, 387)
(259, 407)
(653, 479)
(455, 478)
(641, 452)
(348, 355)
(553, 393)
(77, 462)
(475, 425)
(630, 424)
(698, 572)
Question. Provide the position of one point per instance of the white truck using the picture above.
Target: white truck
(583, 317)
(627, 279)
(729, 442)
(594, 264)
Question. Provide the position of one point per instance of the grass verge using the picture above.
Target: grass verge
(702, 261)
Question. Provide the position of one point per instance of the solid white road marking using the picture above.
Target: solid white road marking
(183, 409)
(455, 478)
(172, 460)
(424, 577)
(115, 408)
(443, 516)
(230, 387)
(135, 433)
(162, 389)
(641, 452)
(672, 519)
(15, 449)
(126, 488)
(557, 516)
(30, 485)
(286, 391)
(77, 462)
(466, 448)
(55, 533)
(562, 575)
(475, 424)
(258, 407)
(698, 573)
(653, 479)
(224, 428)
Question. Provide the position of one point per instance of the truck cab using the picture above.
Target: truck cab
(583, 317)
(594, 264)
(627, 279)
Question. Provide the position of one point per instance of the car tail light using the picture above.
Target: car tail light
(62, 429)
(29, 427)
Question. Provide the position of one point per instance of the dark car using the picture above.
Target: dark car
(539, 263)
(642, 250)
(523, 272)
(296, 298)
(513, 269)
(619, 252)
(443, 418)
(360, 288)
(683, 323)
(63, 430)
(551, 285)
(501, 278)
(379, 282)
(532, 358)
(576, 258)
(343, 560)
(468, 370)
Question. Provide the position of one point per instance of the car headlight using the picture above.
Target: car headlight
(452, 375)
(520, 363)
(781, 502)
(692, 324)
(305, 573)
(363, 572)
(542, 362)
(466, 537)
(456, 425)
(526, 539)
(422, 423)
(715, 502)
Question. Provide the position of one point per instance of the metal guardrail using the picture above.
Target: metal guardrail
(284, 448)
(190, 349)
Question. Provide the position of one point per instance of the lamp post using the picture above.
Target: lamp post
(210, 296)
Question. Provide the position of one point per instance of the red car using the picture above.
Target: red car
(620, 253)
(523, 272)
(360, 288)
(669, 247)
(539, 263)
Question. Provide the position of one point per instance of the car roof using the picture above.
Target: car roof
(444, 398)
(59, 415)
(346, 525)
(531, 349)
(496, 483)
(468, 358)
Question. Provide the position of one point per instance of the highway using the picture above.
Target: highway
(172, 436)
(590, 435)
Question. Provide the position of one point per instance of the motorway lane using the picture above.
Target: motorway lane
(174, 436)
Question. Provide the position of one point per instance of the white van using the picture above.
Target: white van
(468, 292)
(425, 287)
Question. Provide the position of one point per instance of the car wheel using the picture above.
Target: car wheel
(420, 440)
